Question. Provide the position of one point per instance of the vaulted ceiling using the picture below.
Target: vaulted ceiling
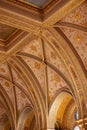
(43, 50)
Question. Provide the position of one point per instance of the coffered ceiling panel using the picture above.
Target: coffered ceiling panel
(39, 3)
(6, 31)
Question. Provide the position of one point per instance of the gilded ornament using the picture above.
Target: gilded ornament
(79, 38)
(77, 15)
(53, 55)
(33, 48)
(23, 96)
(37, 65)
(57, 78)
(43, 64)
(2, 69)
(7, 84)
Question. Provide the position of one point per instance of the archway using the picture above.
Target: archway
(62, 112)
(27, 116)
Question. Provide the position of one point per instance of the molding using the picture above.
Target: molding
(23, 19)
(61, 12)
(71, 25)
(19, 43)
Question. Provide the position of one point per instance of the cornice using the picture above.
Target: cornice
(71, 25)
(28, 20)
(54, 17)
(21, 41)
(34, 8)
(26, 5)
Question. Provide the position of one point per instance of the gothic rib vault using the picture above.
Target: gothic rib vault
(43, 64)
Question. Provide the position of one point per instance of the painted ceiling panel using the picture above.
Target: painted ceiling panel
(6, 31)
(2, 112)
(79, 41)
(77, 16)
(74, 27)
(22, 100)
(54, 58)
(39, 3)
(33, 56)
(18, 80)
(4, 70)
(38, 70)
(8, 87)
(55, 82)
(34, 48)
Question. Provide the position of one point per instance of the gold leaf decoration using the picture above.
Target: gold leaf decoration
(2, 69)
(57, 78)
(79, 38)
(53, 55)
(77, 15)
(33, 48)
(37, 65)
(7, 84)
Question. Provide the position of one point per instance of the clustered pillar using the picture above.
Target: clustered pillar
(82, 123)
